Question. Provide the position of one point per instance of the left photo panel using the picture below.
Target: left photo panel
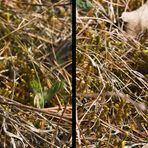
(36, 73)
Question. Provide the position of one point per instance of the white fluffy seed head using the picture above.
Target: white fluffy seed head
(129, 16)
(137, 20)
(124, 16)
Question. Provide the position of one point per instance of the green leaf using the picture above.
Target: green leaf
(56, 87)
(39, 100)
(86, 5)
(35, 85)
(43, 97)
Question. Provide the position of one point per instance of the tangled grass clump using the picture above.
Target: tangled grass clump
(112, 74)
(35, 73)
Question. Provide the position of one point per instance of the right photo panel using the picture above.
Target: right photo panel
(112, 73)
